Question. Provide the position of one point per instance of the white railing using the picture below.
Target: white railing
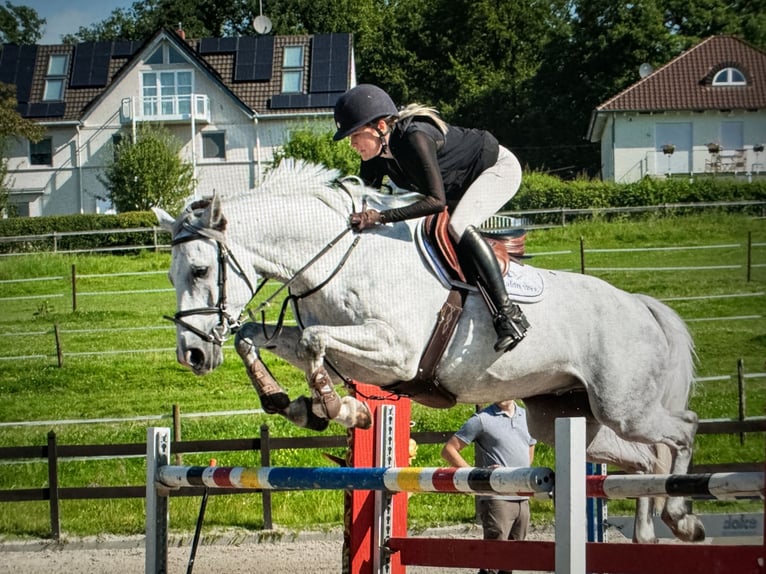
(166, 108)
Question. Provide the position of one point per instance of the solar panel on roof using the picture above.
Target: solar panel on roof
(17, 66)
(45, 110)
(329, 63)
(254, 59)
(124, 48)
(217, 45)
(8, 60)
(90, 68)
(288, 101)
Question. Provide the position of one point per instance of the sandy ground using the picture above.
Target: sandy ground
(233, 553)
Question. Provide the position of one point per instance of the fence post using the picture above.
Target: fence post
(749, 253)
(742, 396)
(59, 348)
(74, 288)
(266, 461)
(178, 457)
(582, 255)
(53, 486)
(157, 454)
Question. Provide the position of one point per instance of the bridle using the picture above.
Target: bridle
(226, 323)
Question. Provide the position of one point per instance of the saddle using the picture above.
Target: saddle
(426, 388)
(506, 246)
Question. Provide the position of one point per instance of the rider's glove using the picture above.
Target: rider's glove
(364, 219)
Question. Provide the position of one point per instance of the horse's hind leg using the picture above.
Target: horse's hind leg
(676, 430)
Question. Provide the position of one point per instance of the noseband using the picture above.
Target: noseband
(226, 323)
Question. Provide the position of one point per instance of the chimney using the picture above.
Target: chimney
(181, 32)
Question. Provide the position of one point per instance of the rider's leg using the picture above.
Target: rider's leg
(510, 323)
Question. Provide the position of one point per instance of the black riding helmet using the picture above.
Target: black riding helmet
(360, 106)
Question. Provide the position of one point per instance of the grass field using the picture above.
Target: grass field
(118, 361)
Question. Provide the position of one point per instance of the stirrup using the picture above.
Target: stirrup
(511, 326)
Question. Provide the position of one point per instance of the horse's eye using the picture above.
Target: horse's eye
(199, 272)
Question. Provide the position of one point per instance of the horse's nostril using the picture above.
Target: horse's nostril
(196, 358)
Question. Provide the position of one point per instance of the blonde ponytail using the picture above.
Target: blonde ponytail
(413, 110)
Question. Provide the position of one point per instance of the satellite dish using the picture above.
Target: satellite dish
(645, 69)
(262, 24)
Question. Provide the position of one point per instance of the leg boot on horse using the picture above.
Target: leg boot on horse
(476, 255)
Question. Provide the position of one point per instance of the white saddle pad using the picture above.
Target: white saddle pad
(524, 284)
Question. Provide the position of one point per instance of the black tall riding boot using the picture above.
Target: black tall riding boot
(477, 257)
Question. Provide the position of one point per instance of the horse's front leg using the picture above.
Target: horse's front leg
(273, 398)
(371, 346)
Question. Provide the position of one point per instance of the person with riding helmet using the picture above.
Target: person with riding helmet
(463, 170)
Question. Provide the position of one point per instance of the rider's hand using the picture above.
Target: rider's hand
(364, 219)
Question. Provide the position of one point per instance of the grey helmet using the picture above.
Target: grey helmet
(360, 106)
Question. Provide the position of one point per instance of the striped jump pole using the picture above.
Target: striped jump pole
(535, 481)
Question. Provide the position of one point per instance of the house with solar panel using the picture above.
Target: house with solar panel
(231, 101)
(702, 113)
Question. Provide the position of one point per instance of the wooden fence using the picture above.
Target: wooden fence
(265, 445)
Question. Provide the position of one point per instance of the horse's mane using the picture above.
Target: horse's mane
(293, 178)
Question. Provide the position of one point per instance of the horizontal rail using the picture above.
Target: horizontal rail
(505, 481)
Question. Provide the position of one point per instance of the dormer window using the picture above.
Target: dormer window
(729, 77)
(55, 78)
(292, 69)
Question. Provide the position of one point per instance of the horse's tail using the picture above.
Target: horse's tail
(681, 360)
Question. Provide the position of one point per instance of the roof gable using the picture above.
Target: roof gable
(248, 68)
(685, 83)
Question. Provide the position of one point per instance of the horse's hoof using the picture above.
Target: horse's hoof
(363, 418)
(276, 403)
(316, 423)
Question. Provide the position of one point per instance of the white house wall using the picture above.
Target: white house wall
(80, 155)
(629, 149)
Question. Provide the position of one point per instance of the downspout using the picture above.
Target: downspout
(193, 148)
(257, 152)
(79, 171)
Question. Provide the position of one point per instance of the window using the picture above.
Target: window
(214, 145)
(292, 69)
(165, 54)
(729, 77)
(55, 78)
(167, 93)
(41, 153)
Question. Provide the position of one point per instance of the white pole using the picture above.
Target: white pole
(571, 519)
(157, 454)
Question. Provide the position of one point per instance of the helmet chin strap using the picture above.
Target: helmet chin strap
(383, 141)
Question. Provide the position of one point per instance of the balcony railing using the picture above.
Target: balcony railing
(166, 109)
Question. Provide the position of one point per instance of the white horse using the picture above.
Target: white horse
(367, 305)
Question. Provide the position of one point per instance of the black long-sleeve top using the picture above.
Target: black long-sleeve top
(439, 166)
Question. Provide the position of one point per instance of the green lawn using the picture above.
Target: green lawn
(118, 361)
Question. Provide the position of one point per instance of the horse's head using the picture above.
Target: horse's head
(212, 288)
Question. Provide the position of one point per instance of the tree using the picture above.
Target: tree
(149, 172)
(12, 125)
(198, 18)
(20, 25)
(319, 147)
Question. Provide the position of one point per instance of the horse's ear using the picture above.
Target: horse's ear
(217, 219)
(165, 220)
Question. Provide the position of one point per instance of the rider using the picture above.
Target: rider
(464, 170)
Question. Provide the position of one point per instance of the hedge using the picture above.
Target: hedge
(538, 191)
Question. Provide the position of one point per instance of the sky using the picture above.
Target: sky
(67, 16)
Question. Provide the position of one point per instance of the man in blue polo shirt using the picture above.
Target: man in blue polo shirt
(502, 439)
